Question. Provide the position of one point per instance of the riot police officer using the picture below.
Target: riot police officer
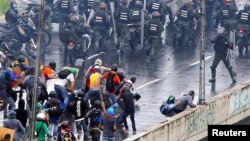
(221, 48)
(136, 12)
(65, 8)
(243, 16)
(100, 23)
(122, 16)
(227, 16)
(243, 22)
(156, 5)
(153, 34)
(185, 20)
(11, 16)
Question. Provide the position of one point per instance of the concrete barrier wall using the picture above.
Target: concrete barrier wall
(228, 107)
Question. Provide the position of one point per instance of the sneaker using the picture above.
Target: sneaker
(126, 131)
(79, 135)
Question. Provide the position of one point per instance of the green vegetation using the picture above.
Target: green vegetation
(4, 5)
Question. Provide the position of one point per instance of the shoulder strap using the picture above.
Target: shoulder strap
(40, 129)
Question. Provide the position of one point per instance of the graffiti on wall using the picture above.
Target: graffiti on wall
(239, 101)
(199, 120)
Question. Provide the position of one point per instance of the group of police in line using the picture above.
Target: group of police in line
(126, 12)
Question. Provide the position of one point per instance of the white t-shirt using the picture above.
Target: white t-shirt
(58, 81)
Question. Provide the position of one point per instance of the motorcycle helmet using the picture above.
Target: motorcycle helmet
(155, 14)
(52, 64)
(114, 67)
(103, 6)
(111, 111)
(21, 59)
(40, 116)
(171, 100)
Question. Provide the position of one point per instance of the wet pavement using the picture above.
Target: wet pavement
(171, 73)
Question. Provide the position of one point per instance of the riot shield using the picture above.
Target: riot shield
(142, 23)
(112, 7)
(91, 15)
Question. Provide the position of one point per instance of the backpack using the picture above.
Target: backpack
(63, 74)
(57, 111)
(166, 108)
(96, 117)
(110, 85)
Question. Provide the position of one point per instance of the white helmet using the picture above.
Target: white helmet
(40, 116)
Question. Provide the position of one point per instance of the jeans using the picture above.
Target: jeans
(53, 127)
(93, 95)
(132, 118)
(108, 138)
(62, 94)
(82, 125)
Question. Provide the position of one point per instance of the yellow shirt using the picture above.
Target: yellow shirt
(95, 81)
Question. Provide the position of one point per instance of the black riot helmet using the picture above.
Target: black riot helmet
(138, 4)
(52, 64)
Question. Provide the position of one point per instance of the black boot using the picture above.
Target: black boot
(232, 74)
(213, 72)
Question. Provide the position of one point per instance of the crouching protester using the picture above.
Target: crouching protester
(184, 101)
(172, 106)
(167, 107)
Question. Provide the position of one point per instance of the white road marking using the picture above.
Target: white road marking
(195, 63)
(149, 83)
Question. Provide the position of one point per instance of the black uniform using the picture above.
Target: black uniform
(227, 16)
(221, 48)
(100, 23)
(65, 7)
(153, 35)
(122, 16)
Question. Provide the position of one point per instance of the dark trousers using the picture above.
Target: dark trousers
(132, 118)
